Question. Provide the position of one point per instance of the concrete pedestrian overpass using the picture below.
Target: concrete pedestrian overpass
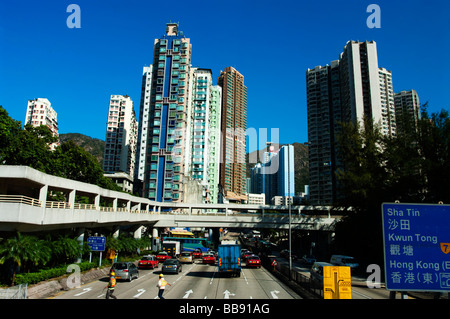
(33, 201)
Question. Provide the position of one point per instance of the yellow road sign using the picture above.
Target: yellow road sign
(110, 254)
(337, 282)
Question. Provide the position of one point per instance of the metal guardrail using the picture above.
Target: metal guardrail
(17, 292)
(300, 279)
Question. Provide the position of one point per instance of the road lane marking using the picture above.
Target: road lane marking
(85, 290)
(141, 291)
(245, 277)
(273, 293)
(228, 294)
(212, 278)
(187, 294)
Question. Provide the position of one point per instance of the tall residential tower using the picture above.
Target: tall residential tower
(349, 90)
(165, 160)
(40, 112)
(121, 140)
(144, 117)
(203, 137)
(234, 126)
(407, 108)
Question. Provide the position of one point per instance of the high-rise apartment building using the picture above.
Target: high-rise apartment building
(197, 134)
(324, 115)
(214, 142)
(40, 112)
(121, 138)
(234, 126)
(276, 176)
(362, 86)
(165, 160)
(388, 115)
(203, 134)
(349, 90)
(407, 108)
(144, 118)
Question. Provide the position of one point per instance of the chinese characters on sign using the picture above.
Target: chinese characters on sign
(97, 243)
(416, 247)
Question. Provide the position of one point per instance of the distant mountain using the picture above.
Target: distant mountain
(91, 145)
(301, 164)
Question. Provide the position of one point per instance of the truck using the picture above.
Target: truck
(228, 242)
(173, 248)
(229, 259)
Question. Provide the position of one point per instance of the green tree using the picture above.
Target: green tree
(112, 243)
(22, 250)
(363, 175)
(9, 130)
(66, 249)
(410, 167)
(30, 146)
(362, 178)
(434, 148)
(73, 162)
(128, 245)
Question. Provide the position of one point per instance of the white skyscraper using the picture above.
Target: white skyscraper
(388, 119)
(121, 137)
(364, 85)
(144, 117)
(40, 112)
(203, 134)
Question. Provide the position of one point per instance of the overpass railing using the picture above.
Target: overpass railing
(21, 199)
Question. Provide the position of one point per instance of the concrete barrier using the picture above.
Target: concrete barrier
(50, 288)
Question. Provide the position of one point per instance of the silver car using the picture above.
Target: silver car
(186, 257)
(125, 270)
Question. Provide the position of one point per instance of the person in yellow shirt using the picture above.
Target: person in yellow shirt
(111, 286)
(162, 283)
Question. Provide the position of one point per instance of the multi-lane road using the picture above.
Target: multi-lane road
(196, 281)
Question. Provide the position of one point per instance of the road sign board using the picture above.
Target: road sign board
(96, 243)
(416, 247)
(337, 282)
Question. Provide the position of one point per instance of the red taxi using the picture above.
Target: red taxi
(253, 261)
(209, 259)
(197, 253)
(246, 255)
(148, 262)
(162, 256)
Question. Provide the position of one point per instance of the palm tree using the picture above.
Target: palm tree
(24, 249)
(66, 249)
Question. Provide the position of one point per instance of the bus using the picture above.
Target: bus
(180, 233)
(191, 244)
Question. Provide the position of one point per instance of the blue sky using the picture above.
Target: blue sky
(271, 43)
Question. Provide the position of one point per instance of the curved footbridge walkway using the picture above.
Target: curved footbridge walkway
(33, 201)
